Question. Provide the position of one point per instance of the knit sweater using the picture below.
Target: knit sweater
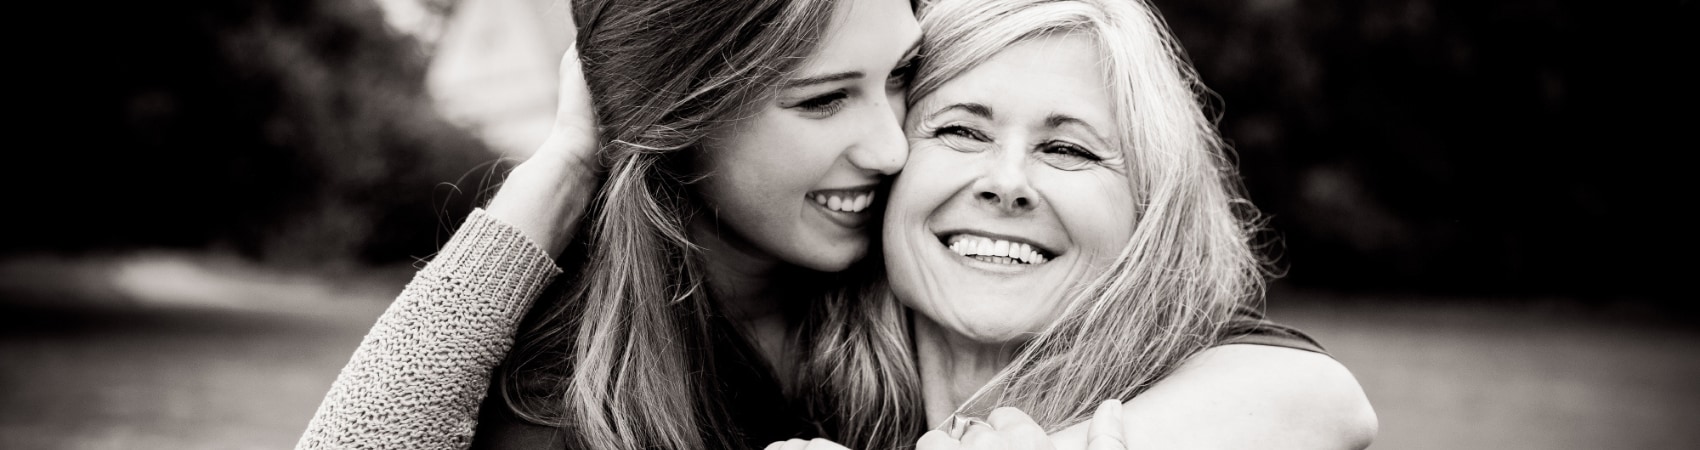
(419, 375)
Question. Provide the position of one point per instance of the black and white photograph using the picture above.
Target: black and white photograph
(852, 225)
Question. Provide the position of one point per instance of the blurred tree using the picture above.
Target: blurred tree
(1456, 146)
(293, 131)
(1527, 147)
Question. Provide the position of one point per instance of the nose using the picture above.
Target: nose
(1005, 186)
(882, 148)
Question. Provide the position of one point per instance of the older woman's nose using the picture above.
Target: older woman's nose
(1006, 188)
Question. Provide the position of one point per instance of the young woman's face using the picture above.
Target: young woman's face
(1016, 189)
(797, 180)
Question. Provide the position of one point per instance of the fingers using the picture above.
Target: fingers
(575, 110)
(937, 440)
(799, 444)
(1018, 430)
(1104, 432)
(823, 444)
(1005, 428)
(982, 437)
(1009, 419)
(574, 95)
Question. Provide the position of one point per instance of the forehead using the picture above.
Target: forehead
(1035, 79)
(864, 32)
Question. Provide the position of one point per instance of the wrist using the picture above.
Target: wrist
(544, 198)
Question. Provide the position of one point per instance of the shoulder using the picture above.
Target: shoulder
(1311, 394)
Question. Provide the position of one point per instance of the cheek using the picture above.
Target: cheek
(1097, 210)
(925, 183)
(764, 159)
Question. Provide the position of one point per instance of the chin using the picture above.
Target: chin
(837, 260)
(995, 331)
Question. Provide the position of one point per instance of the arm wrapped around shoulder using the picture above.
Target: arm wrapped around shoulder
(1247, 396)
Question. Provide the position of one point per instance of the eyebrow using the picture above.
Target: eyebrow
(908, 55)
(972, 108)
(1058, 120)
(821, 79)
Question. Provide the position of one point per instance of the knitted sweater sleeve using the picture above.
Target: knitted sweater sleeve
(419, 375)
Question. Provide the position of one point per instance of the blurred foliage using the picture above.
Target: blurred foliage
(1509, 147)
(295, 132)
(1525, 147)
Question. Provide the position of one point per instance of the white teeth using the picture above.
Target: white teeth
(845, 204)
(995, 250)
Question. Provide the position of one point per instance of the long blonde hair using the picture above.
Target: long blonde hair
(624, 358)
(1190, 261)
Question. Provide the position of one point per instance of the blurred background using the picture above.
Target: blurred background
(1475, 205)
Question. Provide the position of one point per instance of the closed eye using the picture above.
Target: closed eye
(961, 131)
(823, 105)
(1066, 149)
(1067, 156)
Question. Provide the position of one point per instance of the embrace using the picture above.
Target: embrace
(868, 224)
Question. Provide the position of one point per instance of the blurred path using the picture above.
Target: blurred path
(1497, 374)
(107, 358)
(170, 352)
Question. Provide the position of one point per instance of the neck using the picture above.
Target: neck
(741, 277)
(744, 281)
(953, 367)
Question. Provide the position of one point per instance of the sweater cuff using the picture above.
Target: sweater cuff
(494, 255)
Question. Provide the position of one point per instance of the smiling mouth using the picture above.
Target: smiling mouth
(850, 201)
(996, 250)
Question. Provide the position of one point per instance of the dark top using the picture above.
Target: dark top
(763, 413)
(1250, 327)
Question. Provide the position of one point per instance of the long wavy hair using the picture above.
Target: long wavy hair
(623, 358)
(1191, 260)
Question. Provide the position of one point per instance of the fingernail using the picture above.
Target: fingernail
(1111, 407)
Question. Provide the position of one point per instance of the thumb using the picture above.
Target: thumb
(574, 109)
(1105, 430)
(573, 135)
(937, 440)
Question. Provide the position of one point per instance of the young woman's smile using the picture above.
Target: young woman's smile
(800, 179)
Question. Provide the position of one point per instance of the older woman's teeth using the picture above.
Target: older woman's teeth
(849, 204)
(996, 250)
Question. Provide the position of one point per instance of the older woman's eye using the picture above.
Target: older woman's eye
(962, 138)
(961, 131)
(823, 105)
(1067, 156)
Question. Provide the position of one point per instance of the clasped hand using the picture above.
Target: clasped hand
(1005, 429)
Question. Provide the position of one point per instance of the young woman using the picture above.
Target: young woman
(745, 149)
(746, 146)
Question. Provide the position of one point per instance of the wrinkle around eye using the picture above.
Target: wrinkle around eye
(962, 143)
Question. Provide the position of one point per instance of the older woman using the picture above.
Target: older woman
(1070, 231)
(733, 188)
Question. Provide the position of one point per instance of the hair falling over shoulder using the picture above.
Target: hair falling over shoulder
(623, 359)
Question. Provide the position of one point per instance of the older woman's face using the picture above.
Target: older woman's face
(1015, 190)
